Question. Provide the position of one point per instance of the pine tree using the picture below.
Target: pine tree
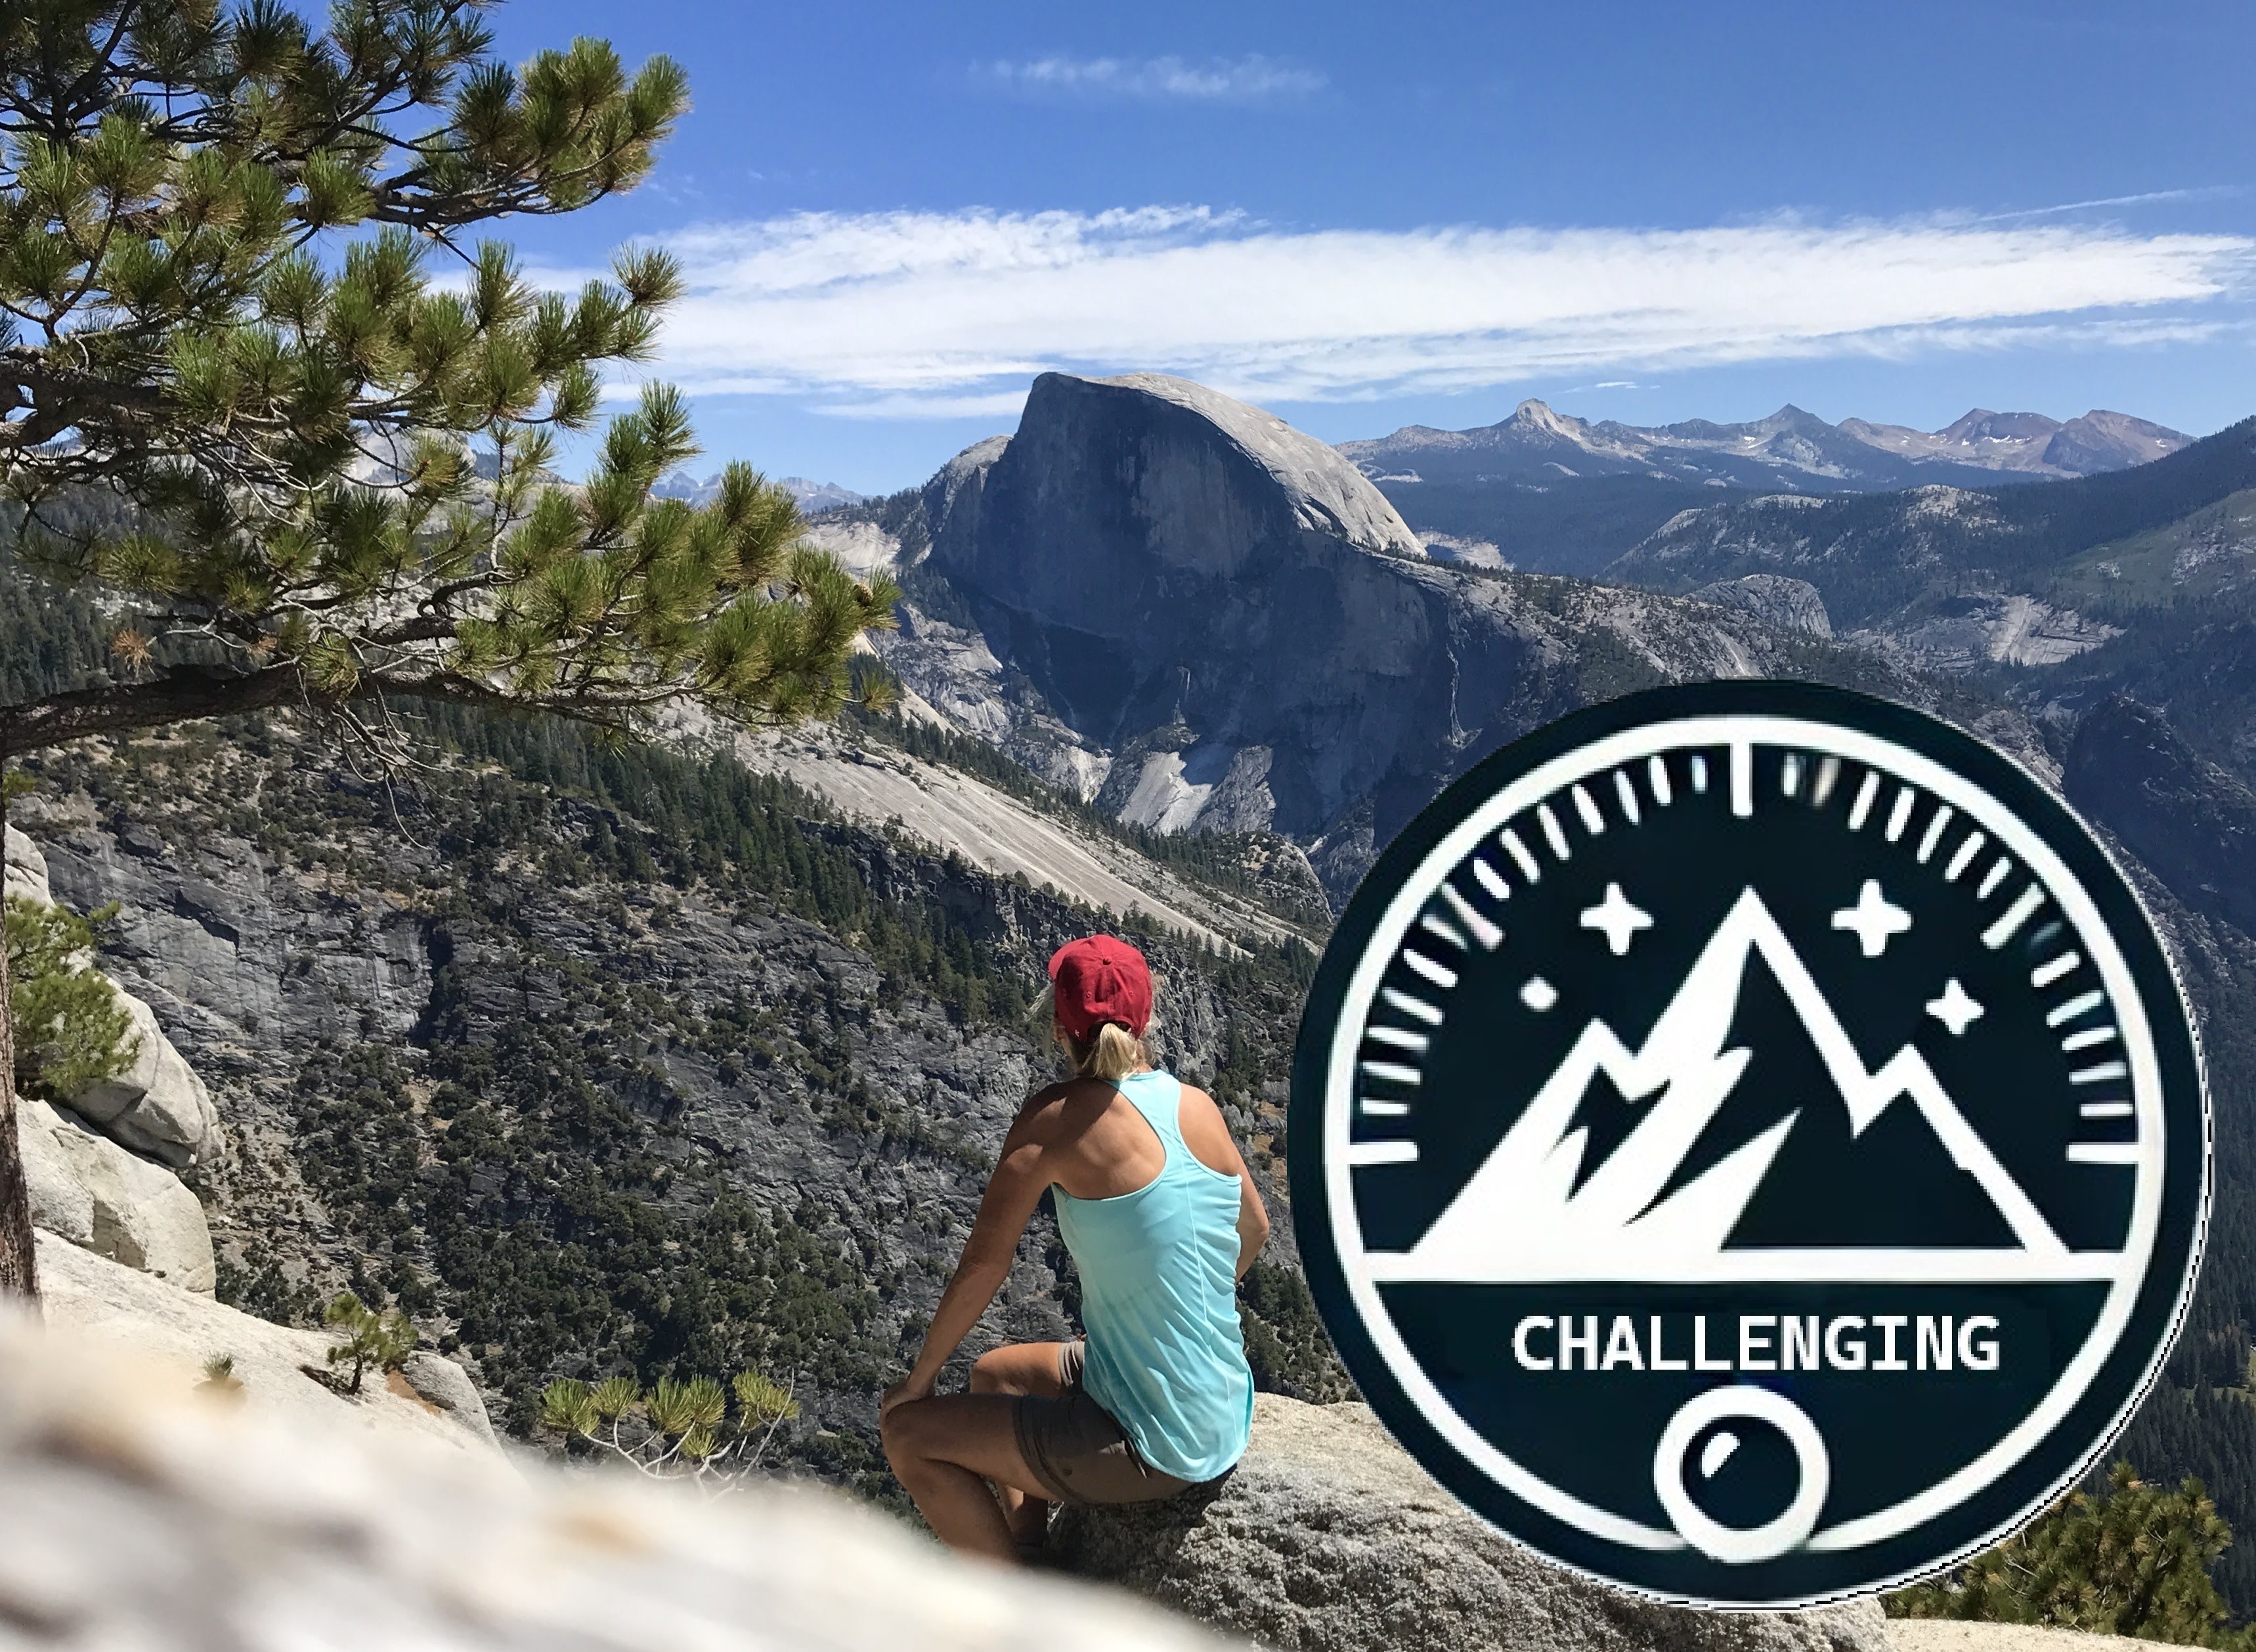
(259, 394)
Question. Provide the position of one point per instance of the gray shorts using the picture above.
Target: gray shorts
(1076, 1450)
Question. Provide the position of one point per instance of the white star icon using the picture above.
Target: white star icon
(1955, 1009)
(1617, 918)
(1872, 920)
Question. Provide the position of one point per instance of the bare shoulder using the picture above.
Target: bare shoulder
(1206, 1133)
(1060, 1110)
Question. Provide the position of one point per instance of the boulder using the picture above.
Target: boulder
(94, 1193)
(157, 1105)
(172, 1333)
(445, 1387)
(1790, 604)
(140, 1513)
(1330, 1536)
(26, 873)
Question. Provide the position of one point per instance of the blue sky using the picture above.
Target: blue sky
(1364, 216)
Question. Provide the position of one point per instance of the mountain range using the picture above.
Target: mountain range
(812, 497)
(1554, 494)
(1791, 451)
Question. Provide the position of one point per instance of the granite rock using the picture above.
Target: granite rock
(144, 1512)
(1327, 1536)
(92, 1192)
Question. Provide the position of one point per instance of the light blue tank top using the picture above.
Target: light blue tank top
(1159, 1299)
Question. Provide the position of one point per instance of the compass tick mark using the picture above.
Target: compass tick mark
(1554, 832)
(2045, 974)
(1829, 776)
(1861, 810)
(1699, 774)
(1491, 879)
(2086, 1039)
(1742, 778)
(1518, 851)
(1789, 775)
(2100, 1074)
(1656, 776)
(1469, 915)
(1991, 878)
(1440, 974)
(1435, 925)
(1415, 1007)
(1360, 1154)
(1934, 828)
(2024, 905)
(2103, 1152)
(2074, 1006)
(2105, 1109)
(1416, 1043)
(1587, 806)
(1964, 858)
(1393, 1072)
(1627, 794)
(1900, 816)
(1372, 1107)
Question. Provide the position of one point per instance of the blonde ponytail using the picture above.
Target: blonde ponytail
(1111, 1056)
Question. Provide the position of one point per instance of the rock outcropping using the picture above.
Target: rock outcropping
(274, 1371)
(1211, 622)
(100, 1169)
(140, 1513)
(88, 1189)
(1330, 1536)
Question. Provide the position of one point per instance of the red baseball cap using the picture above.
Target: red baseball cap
(1100, 978)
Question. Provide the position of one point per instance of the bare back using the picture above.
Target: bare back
(1101, 1147)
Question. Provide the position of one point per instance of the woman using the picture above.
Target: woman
(1155, 1204)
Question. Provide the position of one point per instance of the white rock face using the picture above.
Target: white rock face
(91, 1191)
(141, 1515)
(1328, 496)
(27, 870)
(171, 1333)
(158, 1105)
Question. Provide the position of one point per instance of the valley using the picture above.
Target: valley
(680, 1058)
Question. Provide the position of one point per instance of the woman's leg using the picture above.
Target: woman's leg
(944, 1450)
(1024, 1367)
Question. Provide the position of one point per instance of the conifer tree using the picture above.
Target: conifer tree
(261, 389)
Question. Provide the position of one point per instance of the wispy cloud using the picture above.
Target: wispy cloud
(1246, 80)
(892, 314)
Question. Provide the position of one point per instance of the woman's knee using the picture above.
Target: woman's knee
(901, 1431)
(991, 1373)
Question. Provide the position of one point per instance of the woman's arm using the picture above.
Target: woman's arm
(1252, 1220)
(1012, 1193)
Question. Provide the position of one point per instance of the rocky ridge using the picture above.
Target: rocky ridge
(102, 1168)
(1792, 449)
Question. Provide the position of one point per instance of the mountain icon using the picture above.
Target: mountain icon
(1535, 1211)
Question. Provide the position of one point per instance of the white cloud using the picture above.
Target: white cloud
(889, 315)
(1246, 80)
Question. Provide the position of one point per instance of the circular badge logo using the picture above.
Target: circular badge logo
(1747, 1142)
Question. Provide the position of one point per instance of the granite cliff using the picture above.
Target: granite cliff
(1205, 621)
